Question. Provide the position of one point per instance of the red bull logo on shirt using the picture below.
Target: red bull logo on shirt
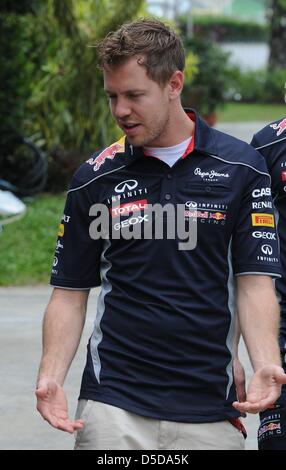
(109, 153)
(280, 127)
(218, 216)
(269, 427)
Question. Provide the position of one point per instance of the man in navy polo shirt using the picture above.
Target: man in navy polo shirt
(271, 143)
(162, 220)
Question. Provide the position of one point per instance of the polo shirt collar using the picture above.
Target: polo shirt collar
(205, 141)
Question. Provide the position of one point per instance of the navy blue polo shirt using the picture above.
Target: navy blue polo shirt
(271, 143)
(162, 341)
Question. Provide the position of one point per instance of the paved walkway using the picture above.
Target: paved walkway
(22, 427)
(241, 130)
(21, 311)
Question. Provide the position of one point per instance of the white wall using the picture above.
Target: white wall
(248, 56)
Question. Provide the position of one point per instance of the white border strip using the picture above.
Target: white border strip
(99, 176)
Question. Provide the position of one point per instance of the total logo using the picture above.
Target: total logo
(125, 209)
(264, 235)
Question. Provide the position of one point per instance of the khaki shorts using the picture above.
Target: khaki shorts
(110, 428)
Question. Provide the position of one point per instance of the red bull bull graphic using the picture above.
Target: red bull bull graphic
(280, 127)
(109, 153)
(218, 216)
(269, 427)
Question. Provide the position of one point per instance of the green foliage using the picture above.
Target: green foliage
(246, 112)
(206, 91)
(257, 86)
(27, 246)
(68, 102)
(227, 29)
(277, 40)
(52, 89)
(15, 71)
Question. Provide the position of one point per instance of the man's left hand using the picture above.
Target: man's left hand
(263, 390)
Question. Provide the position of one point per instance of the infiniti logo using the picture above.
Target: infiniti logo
(267, 250)
(191, 204)
(124, 185)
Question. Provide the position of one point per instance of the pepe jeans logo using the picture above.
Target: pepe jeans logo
(211, 175)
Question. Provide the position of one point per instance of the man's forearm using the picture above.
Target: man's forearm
(258, 312)
(236, 339)
(62, 328)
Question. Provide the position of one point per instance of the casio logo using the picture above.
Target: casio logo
(261, 192)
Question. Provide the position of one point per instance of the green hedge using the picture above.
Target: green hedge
(225, 29)
(257, 86)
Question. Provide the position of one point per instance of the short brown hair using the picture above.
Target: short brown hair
(161, 47)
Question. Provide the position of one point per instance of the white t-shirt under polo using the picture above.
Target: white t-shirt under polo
(169, 155)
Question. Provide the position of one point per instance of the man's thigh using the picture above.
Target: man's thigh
(110, 428)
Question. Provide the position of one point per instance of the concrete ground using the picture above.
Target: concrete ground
(21, 311)
(22, 427)
(241, 130)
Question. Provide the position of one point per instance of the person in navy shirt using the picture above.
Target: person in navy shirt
(271, 143)
(163, 220)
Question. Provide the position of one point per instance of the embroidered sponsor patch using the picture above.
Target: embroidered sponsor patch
(61, 230)
(270, 426)
(279, 127)
(262, 220)
(126, 209)
(108, 153)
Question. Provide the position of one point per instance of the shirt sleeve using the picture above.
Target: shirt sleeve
(76, 263)
(255, 247)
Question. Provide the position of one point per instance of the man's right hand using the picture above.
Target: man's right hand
(52, 405)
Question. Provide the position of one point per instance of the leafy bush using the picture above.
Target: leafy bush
(206, 91)
(261, 86)
(52, 89)
(225, 29)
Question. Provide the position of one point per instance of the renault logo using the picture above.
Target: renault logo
(126, 185)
